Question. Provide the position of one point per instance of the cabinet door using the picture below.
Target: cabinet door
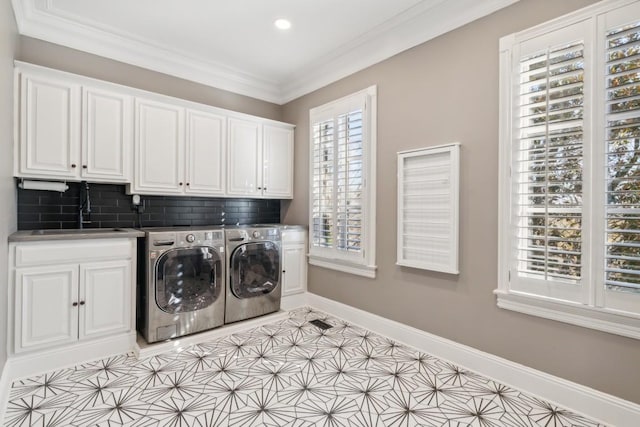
(244, 177)
(49, 127)
(277, 162)
(159, 148)
(106, 135)
(45, 314)
(105, 298)
(294, 268)
(206, 136)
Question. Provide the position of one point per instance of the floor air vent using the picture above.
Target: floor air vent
(320, 324)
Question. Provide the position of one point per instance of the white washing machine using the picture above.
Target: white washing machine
(253, 269)
(183, 288)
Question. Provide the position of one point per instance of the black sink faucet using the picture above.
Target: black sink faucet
(85, 204)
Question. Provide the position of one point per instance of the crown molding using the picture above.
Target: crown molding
(423, 22)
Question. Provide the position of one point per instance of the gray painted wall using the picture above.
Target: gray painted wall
(443, 91)
(8, 37)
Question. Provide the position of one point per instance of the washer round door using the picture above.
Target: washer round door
(255, 269)
(188, 279)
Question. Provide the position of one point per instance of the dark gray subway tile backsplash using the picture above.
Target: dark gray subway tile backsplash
(112, 207)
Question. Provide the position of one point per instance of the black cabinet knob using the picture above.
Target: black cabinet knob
(73, 165)
(84, 166)
(180, 184)
(81, 302)
(75, 304)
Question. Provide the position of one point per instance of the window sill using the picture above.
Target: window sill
(575, 314)
(344, 266)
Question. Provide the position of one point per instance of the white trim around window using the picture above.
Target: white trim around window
(570, 100)
(342, 184)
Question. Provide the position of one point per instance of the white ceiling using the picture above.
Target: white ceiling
(233, 44)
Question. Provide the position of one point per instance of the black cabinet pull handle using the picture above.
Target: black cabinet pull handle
(84, 166)
(75, 304)
(188, 184)
(284, 271)
(73, 165)
(81, 302)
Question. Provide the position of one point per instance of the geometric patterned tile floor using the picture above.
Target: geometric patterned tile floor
(283, 374)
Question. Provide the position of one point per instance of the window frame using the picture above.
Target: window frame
(332, 258)
(589, 311)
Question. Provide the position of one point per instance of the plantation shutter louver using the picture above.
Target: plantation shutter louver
(547, 170)
(349, 182)
(622, 167)
(323, 201)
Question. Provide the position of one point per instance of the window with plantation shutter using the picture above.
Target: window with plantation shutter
(342, 184)
(570, 169)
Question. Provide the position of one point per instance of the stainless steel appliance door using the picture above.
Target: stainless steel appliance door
(188, 279)
(254, 269)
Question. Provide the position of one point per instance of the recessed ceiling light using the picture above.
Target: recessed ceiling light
(283, 24)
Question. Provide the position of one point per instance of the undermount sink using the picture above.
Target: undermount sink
(77, 231)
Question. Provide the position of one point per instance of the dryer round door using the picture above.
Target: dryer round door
(254, 269)
(188, 279)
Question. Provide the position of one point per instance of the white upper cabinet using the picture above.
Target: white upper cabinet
(106, 135)
(74, 128)
(49, 131)
(178, 150)
(245, 153)
(71, 130)
(260, 159)
(159, 148)
(277, 162)
(206, 168)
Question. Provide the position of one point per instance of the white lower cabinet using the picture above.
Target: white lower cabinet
(45, 315)
(294, 261)
(104, 300)
(80, 299)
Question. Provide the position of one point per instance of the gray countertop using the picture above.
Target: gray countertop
(101, 233)
(87, 233)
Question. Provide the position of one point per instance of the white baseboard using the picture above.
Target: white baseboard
(594, 404)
